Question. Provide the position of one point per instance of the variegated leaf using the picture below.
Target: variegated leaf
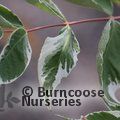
(108, 62)
(58, 57)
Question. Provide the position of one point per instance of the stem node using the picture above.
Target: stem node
(70, 23)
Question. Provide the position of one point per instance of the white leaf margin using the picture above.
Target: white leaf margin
(29, 54)
(47, 49)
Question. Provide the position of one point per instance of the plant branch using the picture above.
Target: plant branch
(70, 23)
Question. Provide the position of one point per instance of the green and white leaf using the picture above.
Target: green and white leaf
(15, 57)
(8, 19)
(105, 115)
(112, 115)
(48, 6)
(58, 58)
(1, 33)
(102, 5)
(108, 62)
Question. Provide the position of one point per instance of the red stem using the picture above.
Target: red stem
(70, 23)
